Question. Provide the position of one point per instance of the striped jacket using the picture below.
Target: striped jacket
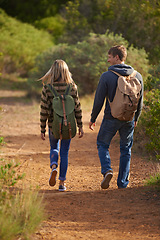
(46, 111)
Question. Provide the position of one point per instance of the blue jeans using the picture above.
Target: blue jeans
(54, 154)
(107, 131)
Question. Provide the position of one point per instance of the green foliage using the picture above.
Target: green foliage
(20, 212)
(87, 60)
(151, 119)
(153, 81)
(20, 215)
(20, 44)
(1, 140)
(154, 181)
(29, 11)
(76, 23)
(53, 25)
(139, 25)
(8, 178)
(138, 59)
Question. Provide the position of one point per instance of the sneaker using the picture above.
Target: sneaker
(52, 179)
(107, 178)
(62, 188)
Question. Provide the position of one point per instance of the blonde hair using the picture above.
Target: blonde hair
(59, 71)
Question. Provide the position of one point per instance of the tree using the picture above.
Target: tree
(32, 10)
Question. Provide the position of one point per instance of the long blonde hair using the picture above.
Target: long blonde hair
(59, 71)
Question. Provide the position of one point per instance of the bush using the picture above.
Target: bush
(20, 215)
(153, 81)
(20, 43)
(53, 25)
(87, 60)
(154, 181)
(150, 119)
(20, 212)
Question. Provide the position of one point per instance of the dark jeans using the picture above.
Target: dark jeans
(107, 131)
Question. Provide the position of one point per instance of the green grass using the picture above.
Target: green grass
(154, 181)
(1, 141)
(21, 215)
(21, 211)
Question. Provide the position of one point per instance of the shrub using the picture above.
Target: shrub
(8, 176)
(154, 181)
(153, 81)
(20, 215)
(20, 212)
(150, 119)
(20, 43)
(147, 132)
(53, 25)
(88, 59)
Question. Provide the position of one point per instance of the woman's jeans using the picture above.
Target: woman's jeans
(54, 153)
(107, 131)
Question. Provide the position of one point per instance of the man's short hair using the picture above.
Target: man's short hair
(119, 50)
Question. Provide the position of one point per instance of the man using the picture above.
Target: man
(106, 90)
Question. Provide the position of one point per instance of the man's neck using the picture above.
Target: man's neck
(120, 62)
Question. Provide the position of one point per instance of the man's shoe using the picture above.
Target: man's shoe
(62, 188)
(107, 178)
(52, 179)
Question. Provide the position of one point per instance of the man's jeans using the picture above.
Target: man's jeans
(54, 153)
(108, 129)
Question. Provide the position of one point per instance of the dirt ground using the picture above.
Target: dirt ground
(84, 211)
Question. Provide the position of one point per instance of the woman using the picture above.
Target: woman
(59, 77)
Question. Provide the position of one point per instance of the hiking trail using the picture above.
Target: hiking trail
(84, 211)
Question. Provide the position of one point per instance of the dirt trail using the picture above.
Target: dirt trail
(84, 211)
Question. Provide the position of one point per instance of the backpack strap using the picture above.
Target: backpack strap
(68, 90)
(64, 110)
(52, 90)
(133, 74)
(115, 73)
(55, 93)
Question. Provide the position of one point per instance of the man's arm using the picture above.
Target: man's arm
(100, 96)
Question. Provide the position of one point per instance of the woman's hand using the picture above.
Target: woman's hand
(81, 132)
(43, 136)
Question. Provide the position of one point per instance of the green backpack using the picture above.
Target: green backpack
(64, 124)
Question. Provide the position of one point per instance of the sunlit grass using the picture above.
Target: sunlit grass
(154, 181)
(21, 215)
(21, 211)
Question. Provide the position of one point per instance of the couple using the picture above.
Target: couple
(59, 76)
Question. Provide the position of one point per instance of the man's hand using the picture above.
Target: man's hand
(91, 125)
(43, 136)
(81, 132)
(135, 124)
